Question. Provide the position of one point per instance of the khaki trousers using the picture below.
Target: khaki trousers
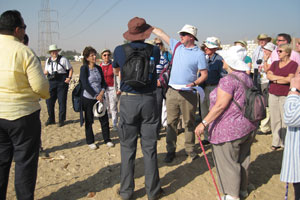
(232, 160)
(278, 127)
(185, 103)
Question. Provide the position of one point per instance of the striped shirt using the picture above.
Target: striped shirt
(290, 170)
(163, 63)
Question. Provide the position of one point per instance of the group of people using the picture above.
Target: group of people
(221, 73)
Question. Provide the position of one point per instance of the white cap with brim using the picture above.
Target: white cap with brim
(53, 47)
(269, 46)
(234, 57)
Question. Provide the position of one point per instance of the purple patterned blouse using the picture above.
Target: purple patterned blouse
(231, 124)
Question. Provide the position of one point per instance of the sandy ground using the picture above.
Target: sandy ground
(74, 171)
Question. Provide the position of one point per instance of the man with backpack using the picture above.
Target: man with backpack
(188, 60)
(138, 110)
(59, 73)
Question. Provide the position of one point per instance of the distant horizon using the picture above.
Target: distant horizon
(101, 24)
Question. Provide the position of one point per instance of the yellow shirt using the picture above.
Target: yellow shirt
(22, 82)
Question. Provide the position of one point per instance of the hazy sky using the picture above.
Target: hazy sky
(101, 24)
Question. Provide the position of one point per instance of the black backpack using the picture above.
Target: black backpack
(76, 97)
(135, 72)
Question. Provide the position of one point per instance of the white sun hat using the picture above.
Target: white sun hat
(234, 57)
(53, 47)
(189, 29)
(212, 42)
(269, 46)
(99, 109)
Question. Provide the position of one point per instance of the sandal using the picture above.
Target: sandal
(274, 148)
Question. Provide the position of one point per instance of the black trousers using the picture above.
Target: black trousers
(58, 91)
(87, 105)
(297, 190)
(159, 101)
(20, 139)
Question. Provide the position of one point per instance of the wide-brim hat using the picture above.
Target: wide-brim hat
(263, 37)
(53, 47)
(189, 29)
(212, 42)
(269, 46)
(138, 29)
(234, 57)
(99, 109)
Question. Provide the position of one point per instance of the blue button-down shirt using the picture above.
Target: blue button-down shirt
(215, 69)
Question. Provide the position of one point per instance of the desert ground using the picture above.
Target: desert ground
(74, 171)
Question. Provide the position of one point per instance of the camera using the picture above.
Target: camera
(51, 76)
(259, 61)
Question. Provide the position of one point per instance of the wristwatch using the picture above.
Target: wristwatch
(204, 123)
(294, 90)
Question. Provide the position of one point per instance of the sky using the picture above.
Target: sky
(101, 23)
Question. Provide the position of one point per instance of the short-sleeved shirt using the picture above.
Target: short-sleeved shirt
(119, 61)
(61, 68)
(295, 56)
(186, 63)
(231, 124)
(247, 60)
(282, 89)
(215, 68)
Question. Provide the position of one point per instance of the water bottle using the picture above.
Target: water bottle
(151, 67)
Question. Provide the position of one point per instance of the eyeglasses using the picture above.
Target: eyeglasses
(23, 26)
(183, 33)
(281, 40)
(279, 51)
(106, 55)
(92, 55)
(158, 44)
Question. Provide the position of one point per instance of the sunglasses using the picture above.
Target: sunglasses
(106, 55)
(279, 51)
(183, 33)
(24, 26)
(158, 44)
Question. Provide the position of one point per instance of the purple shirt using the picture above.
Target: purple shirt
(294, 56)
(231, 124)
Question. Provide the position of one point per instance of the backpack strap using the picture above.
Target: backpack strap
(177, 45)
(244, 85)
(128, 49)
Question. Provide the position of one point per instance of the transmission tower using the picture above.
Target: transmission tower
(47, 27)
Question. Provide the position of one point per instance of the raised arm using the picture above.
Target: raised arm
(161, 34)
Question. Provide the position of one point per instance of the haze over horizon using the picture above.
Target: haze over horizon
(101, 24)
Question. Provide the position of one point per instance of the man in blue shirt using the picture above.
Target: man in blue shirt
(138, 115)
(215, 70)
(187, 62)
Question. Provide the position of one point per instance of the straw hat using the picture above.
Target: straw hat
(138, 29)
(263, 37)
(53, 47)
(189, 29)
(234, 57)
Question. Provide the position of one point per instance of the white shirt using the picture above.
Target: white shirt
(60, 68)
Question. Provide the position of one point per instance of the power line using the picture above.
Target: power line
(90, 25)
(75, 19)
(73, 6)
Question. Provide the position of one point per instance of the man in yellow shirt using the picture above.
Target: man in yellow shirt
(22, 84)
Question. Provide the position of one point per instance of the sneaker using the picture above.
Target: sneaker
(193, 155)
(228, 197)
(169, 157)
(93, 146)
(61, 123)
(158, 195)
(243, 193)
(49, 122)
(110, 144)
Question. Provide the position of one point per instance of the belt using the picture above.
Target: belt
(181, 90)
(135, 94)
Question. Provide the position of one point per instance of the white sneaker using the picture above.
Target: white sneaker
(110, 144)
(93, 146)
(228, 197)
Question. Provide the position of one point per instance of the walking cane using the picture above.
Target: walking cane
(208, 165)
